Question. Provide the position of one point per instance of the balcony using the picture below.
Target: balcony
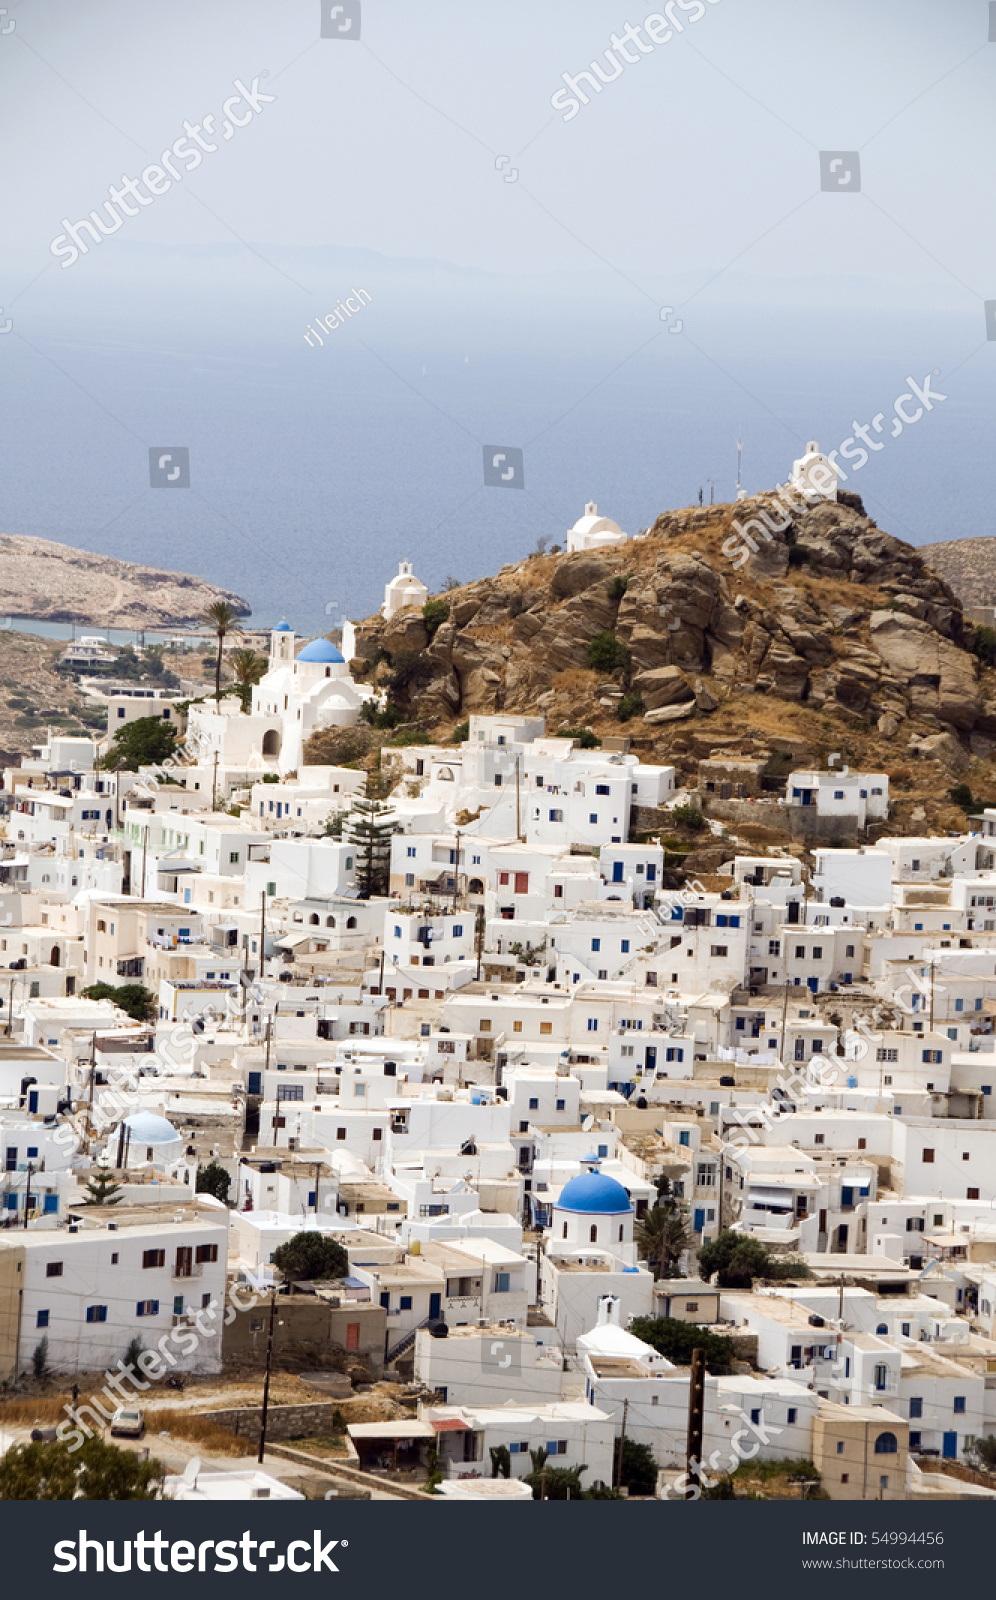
(189, 1269)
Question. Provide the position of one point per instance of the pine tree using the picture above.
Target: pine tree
(369, 828)
(103, 1189)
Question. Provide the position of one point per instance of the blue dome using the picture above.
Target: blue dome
(320, 650)
(594, 1192)
(283, 627)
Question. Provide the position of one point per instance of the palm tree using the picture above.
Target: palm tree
(662, 1236)
(222, 619)
(248, 668)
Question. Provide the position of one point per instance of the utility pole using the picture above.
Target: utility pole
(622, 1445)
(145, 846)
(266, 1380)
(931, 994)
(93, 1075)
(27, 1194)
(456, 871)
(380, 981)
(10, 1010)
(518, 821)
(262, 934)
(214, 784)
(696, 1408)
(480, 939)
(785, 1006)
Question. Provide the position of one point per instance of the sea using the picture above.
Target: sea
(315, 468)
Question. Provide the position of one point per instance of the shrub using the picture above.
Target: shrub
(461, 733)
(213, 1179)
(629, 706)
(586, 737)
(618, 587)
(606, 653)
(409, 673)
(961, 795)
(984, 645)
(376, 716)
(689, 817)
(434, 614)
(134, 999)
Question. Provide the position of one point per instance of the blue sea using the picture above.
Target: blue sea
(314, 470)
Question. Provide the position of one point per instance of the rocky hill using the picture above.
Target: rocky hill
(57, 583)
(830, 636)
(968, 565)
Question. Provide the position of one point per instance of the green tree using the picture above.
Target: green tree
(553, 1483)
(606, 653)
(146, 742)
(311, 1255)
(131, 1355)
(662, 1236)
(983, 1452)
(676, 1340)
(501, 1461)
(133, 998)
(103, 1189)
(213, 1179)
(639, 1469)
(434, 614)
(369, 828)
(984, 645)
(586, 738)
(222, 619)
(247, 669)
(690, 817)
(736, 1258)
(461, 733)
(94, 1471)
(39, 1357)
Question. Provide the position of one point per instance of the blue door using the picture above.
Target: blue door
(435, 1305)
(617, 872)
(255, 1084)
(650, 1060)
(32, 1099)
(950, 1446)
(699, 1221)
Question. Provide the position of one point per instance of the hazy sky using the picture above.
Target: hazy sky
(517, 261)
(697, 150)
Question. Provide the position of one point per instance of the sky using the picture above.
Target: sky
(774, 214)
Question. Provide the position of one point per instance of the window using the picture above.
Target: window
(53, 1269)
(340, 1133)
(971, 1194)
(885, 1444)
(718, 950)
(96, 1313)
(916, 1406)
(840, 1447)
(774, 947)
(792, 1414)
(932, 1057)
(959, 1404)
(886, 1055)
(502, 1283)
(41, 1320)
(484, 1025)
(592, 1024)
(601, 788)
(534, 1104)
(881, 1379)
(153, 1258)
(624, 946)
(546, 1028)
(147, 1308)
(928, 1157)
(596, 944)
(405, 1302)
(207, 1252)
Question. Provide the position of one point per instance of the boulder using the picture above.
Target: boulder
(704, 697)
(941, 679)
(579, 571)
(943, 747)
(662, 686)
(670, 713)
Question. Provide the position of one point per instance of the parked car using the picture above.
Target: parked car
(128, 1422)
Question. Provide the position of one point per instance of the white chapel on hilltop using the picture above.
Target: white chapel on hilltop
(404, 590)
(813, 474)
(592, 532)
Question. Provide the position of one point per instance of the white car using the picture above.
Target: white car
(128, 1422)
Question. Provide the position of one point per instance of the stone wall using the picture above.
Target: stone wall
(282, 1422)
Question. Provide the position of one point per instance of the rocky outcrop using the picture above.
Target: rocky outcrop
(828, 611)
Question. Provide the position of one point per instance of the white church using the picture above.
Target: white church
(813, 474)
(301, 691)
(592, 532)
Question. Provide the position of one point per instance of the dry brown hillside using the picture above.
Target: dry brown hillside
(56, 583)
(968, 565)
(832, 636)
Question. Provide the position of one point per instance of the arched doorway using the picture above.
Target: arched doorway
(54, 957)
(271, 742)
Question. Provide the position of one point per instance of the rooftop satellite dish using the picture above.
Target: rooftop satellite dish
(190, 1472)
(587, 1123)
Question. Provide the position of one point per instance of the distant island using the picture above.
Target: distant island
(52, 582)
